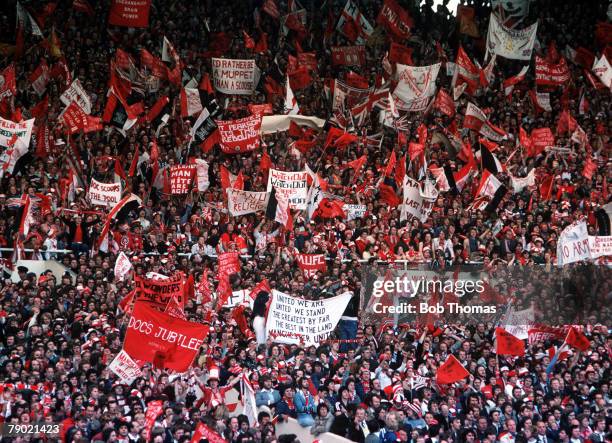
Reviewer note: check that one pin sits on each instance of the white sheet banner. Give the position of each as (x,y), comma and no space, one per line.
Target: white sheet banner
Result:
(600,246)
(105,194)
(519,183)
(202,174)
(517,323)
(510,43)
(415,87)
(573,244)
(295,320)
(290,185)
(235,76)
(245,202)
(9,129)
(77,93)
(416,202)
(602,69)
(354,211)
(124,367)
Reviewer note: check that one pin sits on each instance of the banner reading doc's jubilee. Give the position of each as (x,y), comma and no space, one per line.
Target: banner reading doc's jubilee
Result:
(161,339)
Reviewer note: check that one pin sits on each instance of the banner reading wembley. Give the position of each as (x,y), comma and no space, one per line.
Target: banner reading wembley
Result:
(158,292)
(161,339)
(291,186)
(129,13)
(238,136)
(416,202)
(510,43)
(245,202)
(294,320)
(235,76)
(415,87)
(104,194)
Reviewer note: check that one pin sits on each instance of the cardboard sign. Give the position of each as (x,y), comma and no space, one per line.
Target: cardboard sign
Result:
(158,292)
(238,136)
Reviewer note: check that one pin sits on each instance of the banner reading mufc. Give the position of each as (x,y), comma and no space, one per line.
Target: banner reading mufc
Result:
(310,264)
(291,186)
(415,86)
(238,136)
(158,292)
(161,339)
(181,178)
(245,202)
(295,320)
(510,43)
(235,76)
(130,13)
(105,194)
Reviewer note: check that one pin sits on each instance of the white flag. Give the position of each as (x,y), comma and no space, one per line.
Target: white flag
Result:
(510,43)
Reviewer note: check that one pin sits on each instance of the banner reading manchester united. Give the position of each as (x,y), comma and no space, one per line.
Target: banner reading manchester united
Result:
(296,320)
(235,76)
(238,136)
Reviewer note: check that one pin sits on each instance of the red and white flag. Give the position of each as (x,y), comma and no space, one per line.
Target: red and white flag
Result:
(310,264)
(511,82)
(353,24)
(395,19)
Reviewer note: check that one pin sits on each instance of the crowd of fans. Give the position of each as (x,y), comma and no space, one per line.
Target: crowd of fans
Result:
(376,384)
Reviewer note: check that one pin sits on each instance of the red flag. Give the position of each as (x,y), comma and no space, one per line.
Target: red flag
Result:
(329,208)
(391,164)
(249,43)
(152,335)
(400,170)
(566,123)
(546,187)
(203,432)
(444,102)
(265,164)
(400,54)
(415,150)
(83,6)
(577,340)
(589,168)
(508,344)
(451,371)
(300,78)
(395,19)
(271,8)
(357,81)
(388,195)
(262,43)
